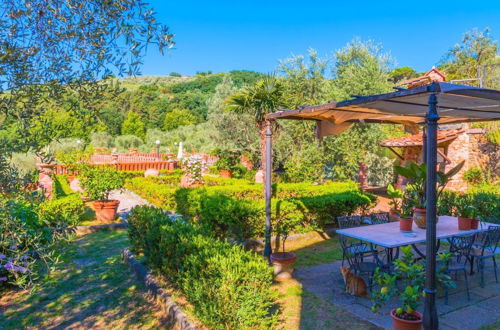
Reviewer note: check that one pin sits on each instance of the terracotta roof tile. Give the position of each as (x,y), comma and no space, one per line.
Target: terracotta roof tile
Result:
(444,135)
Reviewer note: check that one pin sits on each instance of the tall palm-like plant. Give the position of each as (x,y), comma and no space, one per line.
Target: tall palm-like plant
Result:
(265,97)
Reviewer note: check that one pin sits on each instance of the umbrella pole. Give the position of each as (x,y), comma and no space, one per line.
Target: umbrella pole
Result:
(432,117)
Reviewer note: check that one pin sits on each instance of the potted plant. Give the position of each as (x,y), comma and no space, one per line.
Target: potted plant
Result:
(466,212)
(417,177)
(406,282)
(97,183)
(288,218)
(396,196)
(405,214)
(228,160)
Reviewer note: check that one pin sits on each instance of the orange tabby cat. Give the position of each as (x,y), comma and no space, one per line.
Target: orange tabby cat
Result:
(354,284)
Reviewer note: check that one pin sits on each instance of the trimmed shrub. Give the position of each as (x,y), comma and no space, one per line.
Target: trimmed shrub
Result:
(227,286)
(61,186)
(62,212)
(486,203)
(236,209)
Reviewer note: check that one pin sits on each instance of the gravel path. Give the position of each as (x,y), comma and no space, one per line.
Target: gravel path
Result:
(127,200)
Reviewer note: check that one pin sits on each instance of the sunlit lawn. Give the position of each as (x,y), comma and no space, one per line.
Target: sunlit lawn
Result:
(91,288)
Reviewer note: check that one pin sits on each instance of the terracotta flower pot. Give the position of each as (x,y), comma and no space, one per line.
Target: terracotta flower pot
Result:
(226,173)
(419,216)
(402,324)
(464,223)
(393,215)
(474,223)
(405,224)
(105,210)
(283,264)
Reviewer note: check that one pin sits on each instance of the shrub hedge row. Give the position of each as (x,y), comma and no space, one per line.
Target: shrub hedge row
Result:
(235,208)
(487,204)
(228,287)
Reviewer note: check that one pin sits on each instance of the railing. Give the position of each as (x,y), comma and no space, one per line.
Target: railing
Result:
(169,165)
(129,158)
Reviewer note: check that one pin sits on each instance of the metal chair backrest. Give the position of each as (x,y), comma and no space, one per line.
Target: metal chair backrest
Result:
(491,240)
(349,221)
(380,217)
(462,245)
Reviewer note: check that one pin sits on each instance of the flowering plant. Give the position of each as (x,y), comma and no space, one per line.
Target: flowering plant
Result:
(194,168)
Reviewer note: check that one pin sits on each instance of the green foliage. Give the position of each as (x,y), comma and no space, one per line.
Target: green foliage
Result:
(62,212)
(494,136)
(484,203)
(463,61)
(473,175)
(125,142)
(61,186)
(305,165)
(177,118)
(228,159)
(28,243)
(465,207)
(234,208)
(133,125)
(412,274)
(396,196)
(209,272)
(43,59)
(402,73)
(98,181)
(289,216)
(417,175)
(102,140)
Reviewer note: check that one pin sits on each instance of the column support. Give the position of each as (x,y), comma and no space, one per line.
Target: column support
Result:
(430,321)
(268,188)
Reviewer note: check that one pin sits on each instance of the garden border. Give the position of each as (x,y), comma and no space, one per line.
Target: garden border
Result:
(175,317)
(84,230)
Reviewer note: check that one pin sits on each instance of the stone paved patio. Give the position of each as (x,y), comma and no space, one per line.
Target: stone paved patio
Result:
(482,309)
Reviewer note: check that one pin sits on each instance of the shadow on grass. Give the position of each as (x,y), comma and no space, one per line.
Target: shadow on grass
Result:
(90,288)
(305,309)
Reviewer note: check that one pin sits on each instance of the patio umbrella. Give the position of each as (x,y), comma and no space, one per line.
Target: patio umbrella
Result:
(427,105)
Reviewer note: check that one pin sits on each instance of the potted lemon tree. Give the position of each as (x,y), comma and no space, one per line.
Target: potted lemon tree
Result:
(288,218)
(97,183)
(406,282)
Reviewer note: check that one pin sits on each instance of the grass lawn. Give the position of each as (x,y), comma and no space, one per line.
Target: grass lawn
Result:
(316,249)
(305,310)
(90,288)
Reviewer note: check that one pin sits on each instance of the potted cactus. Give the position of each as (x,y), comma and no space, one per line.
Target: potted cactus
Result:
(97,183)
(406,282)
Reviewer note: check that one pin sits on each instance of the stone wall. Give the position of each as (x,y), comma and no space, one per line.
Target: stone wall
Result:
(484,154)
(458,151)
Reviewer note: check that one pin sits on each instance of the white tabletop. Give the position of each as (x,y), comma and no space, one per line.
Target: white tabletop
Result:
(388,234)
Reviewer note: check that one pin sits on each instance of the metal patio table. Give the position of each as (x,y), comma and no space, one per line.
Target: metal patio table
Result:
(389,236)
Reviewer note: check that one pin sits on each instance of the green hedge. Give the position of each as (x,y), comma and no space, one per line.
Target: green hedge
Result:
(228,287)
(62,212)
(236,209)
(487,204)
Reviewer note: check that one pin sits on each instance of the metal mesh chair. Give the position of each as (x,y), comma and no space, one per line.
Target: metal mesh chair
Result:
(380,217)
(351,246)
(358,264)
(486,249)
(460,247)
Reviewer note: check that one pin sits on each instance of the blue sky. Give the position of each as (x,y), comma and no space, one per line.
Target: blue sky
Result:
(254,35)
